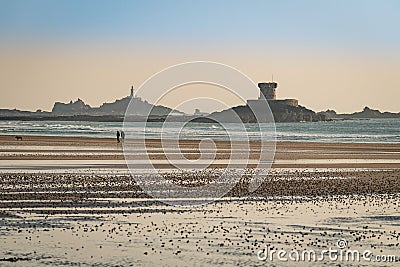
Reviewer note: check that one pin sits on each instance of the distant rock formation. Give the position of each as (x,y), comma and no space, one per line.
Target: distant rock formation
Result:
(116,108)
(283,110)
(72,108)
(280,111)
(289,113)
(16,112)
(366,113)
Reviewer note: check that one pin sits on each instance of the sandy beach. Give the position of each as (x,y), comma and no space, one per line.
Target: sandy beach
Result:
(69,200)
(287,155)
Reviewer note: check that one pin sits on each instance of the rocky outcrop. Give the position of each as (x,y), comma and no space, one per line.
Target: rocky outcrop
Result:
(72,108)
(280,112)
(116,108)
(366,113)
(287,113)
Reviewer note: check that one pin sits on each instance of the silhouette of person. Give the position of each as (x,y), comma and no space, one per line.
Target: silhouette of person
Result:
(122,136)
(118,135)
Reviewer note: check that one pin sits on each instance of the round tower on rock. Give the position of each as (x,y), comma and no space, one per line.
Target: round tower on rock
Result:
(268,90)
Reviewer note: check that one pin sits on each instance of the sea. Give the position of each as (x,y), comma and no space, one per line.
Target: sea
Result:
(353,131)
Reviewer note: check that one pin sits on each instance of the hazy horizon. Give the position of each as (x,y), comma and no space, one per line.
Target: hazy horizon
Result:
(340,55)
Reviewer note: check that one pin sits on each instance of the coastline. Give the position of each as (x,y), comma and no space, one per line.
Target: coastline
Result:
(287,155)
(307,168)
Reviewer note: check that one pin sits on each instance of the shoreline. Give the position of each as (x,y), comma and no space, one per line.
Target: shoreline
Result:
(6,139)
(106,151)
(297,168)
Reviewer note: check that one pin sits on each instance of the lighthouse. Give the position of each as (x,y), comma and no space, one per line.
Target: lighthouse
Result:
(132,93)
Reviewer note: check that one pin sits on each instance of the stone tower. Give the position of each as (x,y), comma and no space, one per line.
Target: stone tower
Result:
(268,90)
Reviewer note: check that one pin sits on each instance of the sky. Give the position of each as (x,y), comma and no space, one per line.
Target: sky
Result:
(340,55)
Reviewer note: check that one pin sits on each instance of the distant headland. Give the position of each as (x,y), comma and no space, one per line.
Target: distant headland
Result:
(283,110)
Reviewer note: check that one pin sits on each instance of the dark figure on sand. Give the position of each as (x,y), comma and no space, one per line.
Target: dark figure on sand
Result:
(118,135)
(122,136)
(18,137)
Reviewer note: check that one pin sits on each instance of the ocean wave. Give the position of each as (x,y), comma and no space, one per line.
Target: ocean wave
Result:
(376,131)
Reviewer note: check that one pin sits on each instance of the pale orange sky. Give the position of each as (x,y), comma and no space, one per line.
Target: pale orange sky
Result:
(340,55)
(33,77)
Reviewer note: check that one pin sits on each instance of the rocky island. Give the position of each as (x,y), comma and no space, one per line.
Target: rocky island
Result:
(283,110)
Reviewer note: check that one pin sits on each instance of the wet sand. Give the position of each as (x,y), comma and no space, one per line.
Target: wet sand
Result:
(93,212)
(287,155)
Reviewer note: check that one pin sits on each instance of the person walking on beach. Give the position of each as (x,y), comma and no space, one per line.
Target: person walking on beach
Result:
(118,135)
(122,136)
